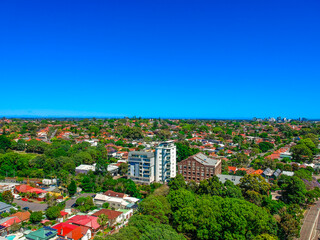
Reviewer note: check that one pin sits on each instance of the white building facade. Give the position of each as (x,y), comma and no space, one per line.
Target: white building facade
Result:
(141,167)
(165,161)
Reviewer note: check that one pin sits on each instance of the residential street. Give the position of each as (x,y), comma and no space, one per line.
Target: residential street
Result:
(31,205)
(308,229)
(72,201)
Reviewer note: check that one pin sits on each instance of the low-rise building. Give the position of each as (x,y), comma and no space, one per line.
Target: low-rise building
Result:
(235,179)
(114,217)
(23,216)
(74,232)
(84,168)
(85,221)
(5,207)
(44,233)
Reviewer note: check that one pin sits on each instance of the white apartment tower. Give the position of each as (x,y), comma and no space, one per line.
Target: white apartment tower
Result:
(165,161)
(141,167)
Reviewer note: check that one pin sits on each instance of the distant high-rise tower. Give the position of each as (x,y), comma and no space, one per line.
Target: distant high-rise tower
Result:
(165,161)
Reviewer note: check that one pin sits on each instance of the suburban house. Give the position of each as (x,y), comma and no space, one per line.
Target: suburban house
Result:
(114,202)
(23,216)
(4,188)
(85,221)
(126,214)
(110,193)
(70,231)
(85,168)
(235,179)
(44,233)
(115,217)
(199,167)
(7,222)
(41,194)
(5,207)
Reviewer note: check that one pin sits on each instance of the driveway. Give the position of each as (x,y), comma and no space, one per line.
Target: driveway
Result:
(72,201)
(31,205)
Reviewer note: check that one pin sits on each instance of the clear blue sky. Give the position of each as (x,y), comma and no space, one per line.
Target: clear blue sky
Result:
(160,58)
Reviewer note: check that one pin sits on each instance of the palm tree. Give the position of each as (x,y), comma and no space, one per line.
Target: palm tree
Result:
(103,220)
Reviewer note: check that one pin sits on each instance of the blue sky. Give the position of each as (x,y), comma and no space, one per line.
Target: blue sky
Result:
(160,58)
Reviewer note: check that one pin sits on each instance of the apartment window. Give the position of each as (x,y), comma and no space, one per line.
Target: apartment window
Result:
(198,174)
(198,168)
(202,169)
(193,168)
(202,174)
(208,169)
(184,166)
(180,166)
(189,163)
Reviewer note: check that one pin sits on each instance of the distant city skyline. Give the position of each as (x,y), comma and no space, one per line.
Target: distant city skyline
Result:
(170,59)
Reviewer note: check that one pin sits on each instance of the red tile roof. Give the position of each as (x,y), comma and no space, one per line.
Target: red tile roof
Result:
(85,220)
(11,221)
(68,230)
(23,216)
(110,213)
(114,194)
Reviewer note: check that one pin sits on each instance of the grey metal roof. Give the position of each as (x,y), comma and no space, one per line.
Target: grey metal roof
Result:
(277,173)
(148,154)
(4,206)
(268,172)
(3,220)
(235,179)
(205,160)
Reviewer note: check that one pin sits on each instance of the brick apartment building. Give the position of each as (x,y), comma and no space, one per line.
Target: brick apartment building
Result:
(199,167)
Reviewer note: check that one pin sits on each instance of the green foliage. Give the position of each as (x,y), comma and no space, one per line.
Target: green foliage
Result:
(36,217)
(85,204)
(105,205)
(303,174)
(157,206)
(4,143)
(72,188)
(53,213)
(294,191)
(265,146)
(184,151)
(146,227)
(213,186)
(211,217)
(7,197)
(304,150)
(177,182)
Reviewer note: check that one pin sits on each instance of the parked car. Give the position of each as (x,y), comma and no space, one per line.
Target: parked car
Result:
(25,199)
(26,208)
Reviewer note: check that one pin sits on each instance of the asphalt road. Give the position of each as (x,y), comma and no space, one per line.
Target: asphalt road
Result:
(31,205)
(72,201)
(308,229)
